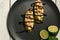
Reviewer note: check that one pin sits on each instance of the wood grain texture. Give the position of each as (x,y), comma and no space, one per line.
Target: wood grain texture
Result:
(12,2)
(53,1)
(4,8)
(58,4)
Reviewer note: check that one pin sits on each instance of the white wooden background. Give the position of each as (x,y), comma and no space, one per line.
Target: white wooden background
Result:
(4,9)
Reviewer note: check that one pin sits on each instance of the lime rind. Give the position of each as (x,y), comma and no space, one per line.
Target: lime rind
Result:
(44,34)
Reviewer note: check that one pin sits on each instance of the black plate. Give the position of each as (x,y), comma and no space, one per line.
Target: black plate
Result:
(19,8)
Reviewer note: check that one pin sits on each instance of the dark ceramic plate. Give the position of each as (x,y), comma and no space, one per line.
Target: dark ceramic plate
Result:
(19,8)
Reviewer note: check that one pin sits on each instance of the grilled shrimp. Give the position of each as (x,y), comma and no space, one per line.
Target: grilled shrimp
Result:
(29,20)
(38,11)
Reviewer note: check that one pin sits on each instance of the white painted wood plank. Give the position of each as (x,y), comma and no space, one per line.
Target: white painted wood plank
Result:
(12,2)
(4,8)
(53,1)
(58,4)
(58,35)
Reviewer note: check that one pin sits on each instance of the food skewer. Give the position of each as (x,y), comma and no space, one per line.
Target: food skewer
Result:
(29,20)
(29,17)
(38,11)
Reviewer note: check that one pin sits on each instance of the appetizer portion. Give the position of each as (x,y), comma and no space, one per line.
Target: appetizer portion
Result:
(53,29)
(44,34)
(29,20)
(38,11)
